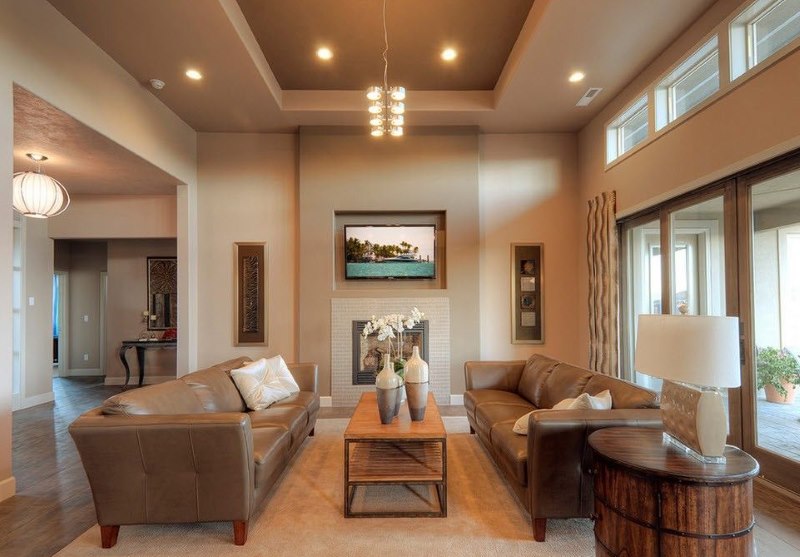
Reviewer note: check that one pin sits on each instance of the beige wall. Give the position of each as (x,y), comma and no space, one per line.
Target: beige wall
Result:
(46,54)
(751,123)
(86,261)
(127,299)
(38,272)
(246,193)
(347,170)
(529,194)
(117,216)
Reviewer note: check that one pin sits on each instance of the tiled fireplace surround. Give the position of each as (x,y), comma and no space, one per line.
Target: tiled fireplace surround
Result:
(346,310)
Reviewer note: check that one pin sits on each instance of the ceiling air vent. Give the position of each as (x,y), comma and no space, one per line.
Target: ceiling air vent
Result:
(589,96)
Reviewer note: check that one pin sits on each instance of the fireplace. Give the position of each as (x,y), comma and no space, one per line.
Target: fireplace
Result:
(368,352)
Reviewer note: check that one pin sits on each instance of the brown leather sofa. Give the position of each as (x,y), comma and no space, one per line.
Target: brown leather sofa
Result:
(188,450)
(550,469)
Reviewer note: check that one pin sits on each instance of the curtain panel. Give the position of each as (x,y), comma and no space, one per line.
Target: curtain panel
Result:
(603,285)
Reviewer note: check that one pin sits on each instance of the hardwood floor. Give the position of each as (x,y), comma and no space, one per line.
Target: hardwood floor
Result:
(53,504)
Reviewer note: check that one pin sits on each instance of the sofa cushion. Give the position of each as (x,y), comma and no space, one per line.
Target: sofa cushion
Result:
(473,399)
(216,390)
(303,399)
(293,419)
(565,381)
(511,450)
(270,453)
(623,393)
(489,414)
(170,398)
(585,401)
(537,370)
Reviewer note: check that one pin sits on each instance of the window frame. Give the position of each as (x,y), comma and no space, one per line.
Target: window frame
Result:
(615,147)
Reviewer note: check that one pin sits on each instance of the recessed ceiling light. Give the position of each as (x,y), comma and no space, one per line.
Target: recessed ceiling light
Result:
(194,74)
(575,77)
(38,157)
(449,54)
(324,53)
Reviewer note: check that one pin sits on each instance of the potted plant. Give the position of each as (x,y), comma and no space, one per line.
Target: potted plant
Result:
(778,373)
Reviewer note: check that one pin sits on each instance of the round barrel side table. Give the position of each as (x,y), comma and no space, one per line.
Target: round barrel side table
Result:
(652,500)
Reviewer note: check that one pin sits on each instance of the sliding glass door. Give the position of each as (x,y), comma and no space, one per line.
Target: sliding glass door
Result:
(732,248)
(771,234)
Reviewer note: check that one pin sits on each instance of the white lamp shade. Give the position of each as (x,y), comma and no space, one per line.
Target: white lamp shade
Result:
(38,195)
(696,349)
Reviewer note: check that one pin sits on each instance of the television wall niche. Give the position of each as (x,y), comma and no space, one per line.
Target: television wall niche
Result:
(355,219)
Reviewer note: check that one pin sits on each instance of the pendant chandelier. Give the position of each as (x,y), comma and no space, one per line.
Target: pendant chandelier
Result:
(386,105)
(37,195)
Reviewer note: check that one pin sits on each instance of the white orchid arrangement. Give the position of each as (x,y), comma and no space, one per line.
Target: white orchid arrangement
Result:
(390,328)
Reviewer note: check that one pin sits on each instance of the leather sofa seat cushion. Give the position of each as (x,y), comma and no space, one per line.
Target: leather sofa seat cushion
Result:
(623,393)
(270,452)
(473,399)
(490,413)
(565,381)
(511,450)
(170,398)
(303,399)
(537,370)
(216,390)
(292,418)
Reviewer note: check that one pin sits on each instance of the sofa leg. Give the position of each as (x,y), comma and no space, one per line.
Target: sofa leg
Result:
(471,431)
(108,536)
(239,532)
(539,528)
(311,433)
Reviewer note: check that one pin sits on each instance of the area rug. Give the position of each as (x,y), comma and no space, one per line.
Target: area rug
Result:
(303,516)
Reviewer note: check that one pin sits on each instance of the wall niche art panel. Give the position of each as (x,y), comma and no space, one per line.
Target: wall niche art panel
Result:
(250,266)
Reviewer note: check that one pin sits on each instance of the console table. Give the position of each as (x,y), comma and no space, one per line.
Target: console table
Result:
(141,346)
(652,500)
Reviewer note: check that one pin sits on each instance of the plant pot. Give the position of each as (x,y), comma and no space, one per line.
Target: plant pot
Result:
(774,396)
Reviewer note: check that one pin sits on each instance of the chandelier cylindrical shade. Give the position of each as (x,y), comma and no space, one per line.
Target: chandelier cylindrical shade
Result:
(38,195)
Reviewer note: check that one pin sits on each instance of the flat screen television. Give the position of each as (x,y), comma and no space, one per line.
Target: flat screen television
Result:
(380,251)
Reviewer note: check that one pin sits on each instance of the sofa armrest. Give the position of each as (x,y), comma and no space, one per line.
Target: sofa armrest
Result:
(162,469)
(500,375)
(560,459)
(306,376)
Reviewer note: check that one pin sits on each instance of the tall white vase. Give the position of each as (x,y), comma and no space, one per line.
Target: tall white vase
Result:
(417,381)
(387,386)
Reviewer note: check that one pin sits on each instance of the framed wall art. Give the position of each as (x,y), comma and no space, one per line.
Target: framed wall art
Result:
(250,267)
(527,309)
(162,293)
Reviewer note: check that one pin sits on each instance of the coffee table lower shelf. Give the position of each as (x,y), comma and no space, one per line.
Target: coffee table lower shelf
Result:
(370,462)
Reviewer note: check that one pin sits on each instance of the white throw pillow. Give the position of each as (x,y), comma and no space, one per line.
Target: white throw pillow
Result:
(602,401)
(259,385)
(285,377)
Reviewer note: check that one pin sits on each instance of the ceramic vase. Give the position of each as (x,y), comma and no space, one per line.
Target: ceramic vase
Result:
(387,386)
(417,380)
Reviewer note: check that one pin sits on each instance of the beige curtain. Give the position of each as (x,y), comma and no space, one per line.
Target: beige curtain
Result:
(603,285)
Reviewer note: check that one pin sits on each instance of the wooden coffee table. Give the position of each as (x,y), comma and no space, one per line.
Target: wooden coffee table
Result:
(402,452)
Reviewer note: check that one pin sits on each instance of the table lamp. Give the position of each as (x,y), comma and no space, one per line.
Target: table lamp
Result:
(696,355)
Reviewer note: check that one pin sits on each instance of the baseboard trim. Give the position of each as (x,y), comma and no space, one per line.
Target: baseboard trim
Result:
(19,403)
(134,381)
(456,400)
(326,401)
(8,488)
(78,372)
(780,490)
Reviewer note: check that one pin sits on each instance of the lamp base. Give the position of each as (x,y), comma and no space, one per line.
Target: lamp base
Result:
(678,444)
(694,419)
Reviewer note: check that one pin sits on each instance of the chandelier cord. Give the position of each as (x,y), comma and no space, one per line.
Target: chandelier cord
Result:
(385,51)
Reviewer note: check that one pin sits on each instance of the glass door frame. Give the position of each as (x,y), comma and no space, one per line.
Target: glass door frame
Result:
(778,469)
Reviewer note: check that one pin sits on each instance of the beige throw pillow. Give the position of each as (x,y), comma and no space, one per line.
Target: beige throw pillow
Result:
(285,378)
(259,385)
(602,401)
